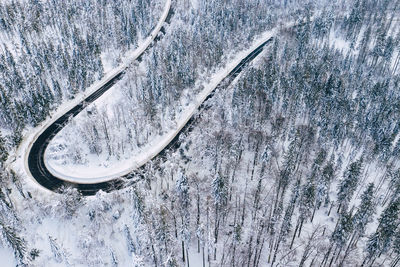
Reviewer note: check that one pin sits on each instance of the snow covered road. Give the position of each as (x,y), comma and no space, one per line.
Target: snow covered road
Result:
(34,145)
(38,169)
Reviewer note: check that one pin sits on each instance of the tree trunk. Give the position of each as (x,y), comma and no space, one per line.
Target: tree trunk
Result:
(259,253)
(301,227)
(294,235)
(176,229)
(154,255)
(330,209)
(326,257)
(198,218)
(395,262)
(271,246)
(249,251)
(244,202)
(276,251)
(233,255)
(346,253)
(183,251)
(338,254)
(313,213)
(364,262)
(208,222)
(187,257)
(204,260)
(340,205)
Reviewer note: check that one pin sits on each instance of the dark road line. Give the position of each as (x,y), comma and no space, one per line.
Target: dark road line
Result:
(35,159)
(36,154)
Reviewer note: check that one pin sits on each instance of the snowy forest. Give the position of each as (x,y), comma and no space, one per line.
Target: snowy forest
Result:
(292,163)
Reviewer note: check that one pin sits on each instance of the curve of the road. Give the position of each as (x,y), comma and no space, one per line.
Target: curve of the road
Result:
(34,161)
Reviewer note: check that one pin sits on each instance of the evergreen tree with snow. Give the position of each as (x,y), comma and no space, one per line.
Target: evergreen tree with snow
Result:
(3,150)
(182,190)
(365,210)
(380,241)
(348,184)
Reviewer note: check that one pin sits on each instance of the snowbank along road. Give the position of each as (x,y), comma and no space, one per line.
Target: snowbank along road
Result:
(34,161)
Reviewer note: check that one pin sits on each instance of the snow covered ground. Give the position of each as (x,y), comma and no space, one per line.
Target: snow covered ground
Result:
(7,257)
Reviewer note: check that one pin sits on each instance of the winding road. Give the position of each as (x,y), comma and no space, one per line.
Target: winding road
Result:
(35,163)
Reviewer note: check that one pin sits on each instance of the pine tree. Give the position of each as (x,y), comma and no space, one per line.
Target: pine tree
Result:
(323,185)
(380,241)
(56,250)
(15,242)
(182,190)
(339,236)
(348,184)
(220,195)
(361,218)
(365,211)
(131,245)
(3,150)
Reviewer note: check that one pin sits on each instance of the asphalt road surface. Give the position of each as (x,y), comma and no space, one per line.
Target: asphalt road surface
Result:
(36,155)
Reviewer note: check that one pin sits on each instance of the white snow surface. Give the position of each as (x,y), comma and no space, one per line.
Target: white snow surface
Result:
(118,168)
(7,258)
